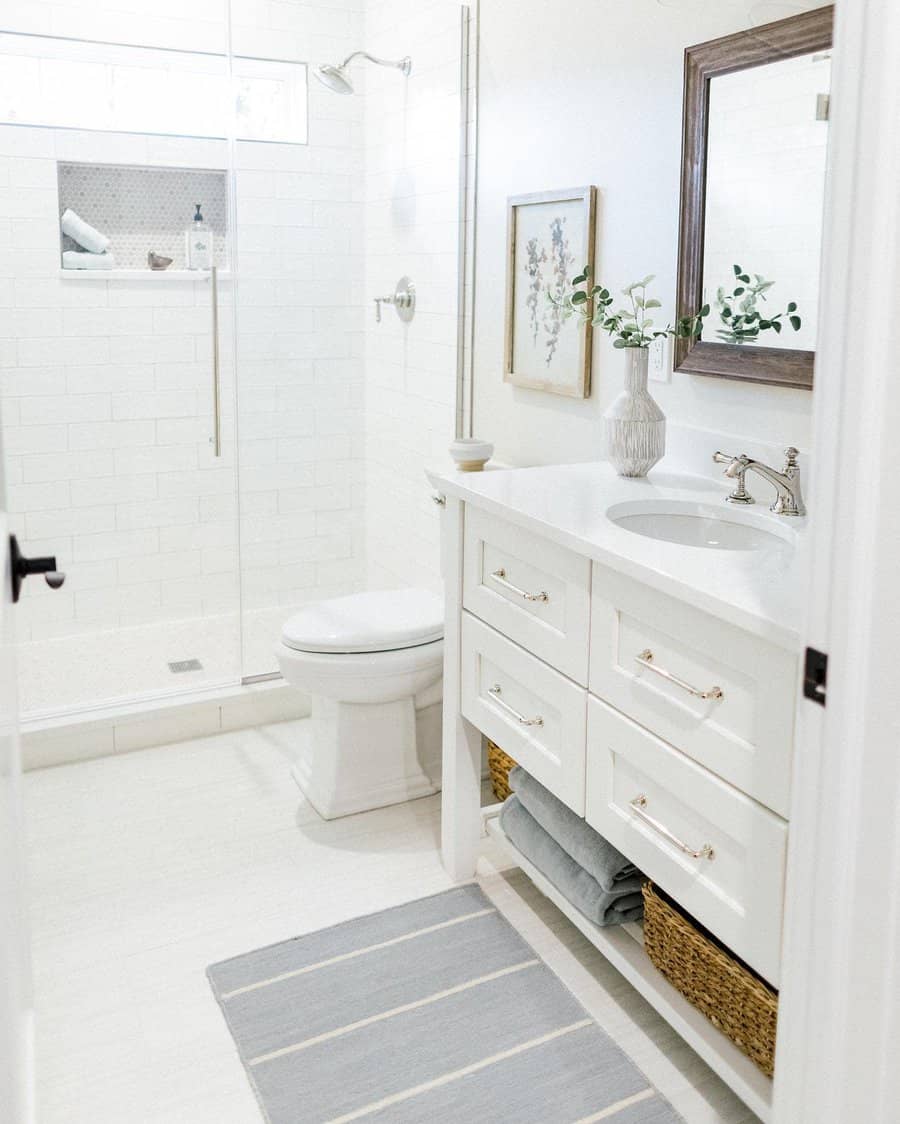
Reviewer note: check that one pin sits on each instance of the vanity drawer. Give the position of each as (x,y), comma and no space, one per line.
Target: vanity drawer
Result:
(653,658)
(535,714)
(736,891)
(532,590)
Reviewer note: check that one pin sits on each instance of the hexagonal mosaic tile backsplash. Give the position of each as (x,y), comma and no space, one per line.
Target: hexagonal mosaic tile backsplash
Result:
(142,209)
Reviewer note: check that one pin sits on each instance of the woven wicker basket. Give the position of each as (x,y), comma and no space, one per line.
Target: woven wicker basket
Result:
(499,765)
(729,994)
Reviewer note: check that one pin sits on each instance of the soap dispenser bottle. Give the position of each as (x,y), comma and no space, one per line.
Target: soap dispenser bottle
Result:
(198,243)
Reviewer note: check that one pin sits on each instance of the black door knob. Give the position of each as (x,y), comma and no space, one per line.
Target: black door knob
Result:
(20,567)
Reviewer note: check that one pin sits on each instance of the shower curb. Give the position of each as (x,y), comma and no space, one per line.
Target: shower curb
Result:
(122,729)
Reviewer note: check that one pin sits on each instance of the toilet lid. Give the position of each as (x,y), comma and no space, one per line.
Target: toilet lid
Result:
(367,622)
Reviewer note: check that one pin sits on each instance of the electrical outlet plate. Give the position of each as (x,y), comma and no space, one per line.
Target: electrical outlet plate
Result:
(659,365)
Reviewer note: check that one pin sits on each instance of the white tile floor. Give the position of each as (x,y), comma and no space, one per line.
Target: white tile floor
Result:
(147,867)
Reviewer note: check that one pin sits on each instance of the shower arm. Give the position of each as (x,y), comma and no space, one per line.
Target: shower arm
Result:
(404,64)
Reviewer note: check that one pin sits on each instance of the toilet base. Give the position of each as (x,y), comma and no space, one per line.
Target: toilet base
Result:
(366,755)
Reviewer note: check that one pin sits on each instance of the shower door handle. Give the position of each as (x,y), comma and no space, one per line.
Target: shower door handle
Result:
(21,567)
(216,388)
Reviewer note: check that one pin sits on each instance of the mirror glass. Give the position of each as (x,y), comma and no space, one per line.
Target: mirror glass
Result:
(765,182)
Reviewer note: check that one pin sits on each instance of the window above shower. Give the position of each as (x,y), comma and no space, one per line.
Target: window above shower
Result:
(73,84)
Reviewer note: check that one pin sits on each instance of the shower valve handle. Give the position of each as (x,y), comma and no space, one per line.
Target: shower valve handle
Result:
(403,299)
(379,301)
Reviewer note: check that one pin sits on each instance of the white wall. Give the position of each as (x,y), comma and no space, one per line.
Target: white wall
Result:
(591,92)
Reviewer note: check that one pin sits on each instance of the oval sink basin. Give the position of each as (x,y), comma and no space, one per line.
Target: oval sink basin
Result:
(699,525)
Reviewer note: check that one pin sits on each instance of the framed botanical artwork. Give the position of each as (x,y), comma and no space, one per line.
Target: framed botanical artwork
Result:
(550,240)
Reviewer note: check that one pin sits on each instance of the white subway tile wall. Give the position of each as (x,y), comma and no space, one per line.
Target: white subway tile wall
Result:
(106,384)
(412,193)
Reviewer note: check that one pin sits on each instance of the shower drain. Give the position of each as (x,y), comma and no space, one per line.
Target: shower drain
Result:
(185,665)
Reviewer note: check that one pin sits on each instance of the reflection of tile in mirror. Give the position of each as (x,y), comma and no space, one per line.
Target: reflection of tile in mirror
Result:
(765,186)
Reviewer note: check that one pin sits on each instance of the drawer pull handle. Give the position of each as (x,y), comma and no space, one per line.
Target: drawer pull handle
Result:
(500,578)
(645,659)
(640,803)
(438,499)
(520,718)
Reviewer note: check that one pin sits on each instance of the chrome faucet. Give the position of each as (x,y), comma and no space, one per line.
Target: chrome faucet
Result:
(788,499)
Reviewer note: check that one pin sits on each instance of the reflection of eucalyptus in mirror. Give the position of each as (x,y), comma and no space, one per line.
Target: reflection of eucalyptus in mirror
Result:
(739,313)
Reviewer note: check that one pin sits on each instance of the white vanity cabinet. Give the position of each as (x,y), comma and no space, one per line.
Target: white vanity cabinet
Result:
(625,677)
(679,751)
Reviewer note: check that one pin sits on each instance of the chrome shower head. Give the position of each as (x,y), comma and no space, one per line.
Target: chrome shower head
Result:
(336,78)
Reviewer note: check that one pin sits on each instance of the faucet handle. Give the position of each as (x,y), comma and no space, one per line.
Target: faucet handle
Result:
(737,467)
(790,458)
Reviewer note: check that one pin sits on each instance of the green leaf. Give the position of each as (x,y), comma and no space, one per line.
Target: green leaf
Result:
(704,311)
(744,277)
(646,281)
(579,298)
(776,325)
(792,306)
(653,304)
(737,270)
(795,323)
(740,289)
(619,343)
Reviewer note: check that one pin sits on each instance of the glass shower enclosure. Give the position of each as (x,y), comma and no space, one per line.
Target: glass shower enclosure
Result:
(204,449)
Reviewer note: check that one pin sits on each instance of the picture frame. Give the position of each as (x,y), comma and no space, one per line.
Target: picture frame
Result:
(550,238)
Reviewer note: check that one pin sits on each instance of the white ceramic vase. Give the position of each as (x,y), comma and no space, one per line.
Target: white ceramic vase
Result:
(635,426)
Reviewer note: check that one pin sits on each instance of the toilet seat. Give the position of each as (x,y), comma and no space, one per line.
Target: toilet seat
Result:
(382,621)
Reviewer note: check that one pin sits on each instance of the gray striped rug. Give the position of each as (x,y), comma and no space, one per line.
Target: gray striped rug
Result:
(433,1011)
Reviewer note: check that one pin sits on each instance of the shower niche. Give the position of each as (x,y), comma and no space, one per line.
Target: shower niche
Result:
(143,210)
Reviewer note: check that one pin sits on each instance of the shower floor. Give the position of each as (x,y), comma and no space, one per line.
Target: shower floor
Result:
(73,673)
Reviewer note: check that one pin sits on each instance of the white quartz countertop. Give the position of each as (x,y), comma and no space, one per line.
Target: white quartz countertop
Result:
(758,590)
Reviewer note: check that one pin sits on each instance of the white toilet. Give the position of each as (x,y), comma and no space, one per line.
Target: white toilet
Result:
(372,663)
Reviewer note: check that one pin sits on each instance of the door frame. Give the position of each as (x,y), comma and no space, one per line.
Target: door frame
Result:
(839,1017)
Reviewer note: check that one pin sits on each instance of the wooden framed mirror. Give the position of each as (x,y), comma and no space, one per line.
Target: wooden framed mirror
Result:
(754,142)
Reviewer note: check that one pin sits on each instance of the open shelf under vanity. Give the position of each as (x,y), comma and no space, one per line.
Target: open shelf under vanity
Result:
(623,947)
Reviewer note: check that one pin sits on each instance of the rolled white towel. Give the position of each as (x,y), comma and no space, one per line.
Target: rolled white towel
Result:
(83,233)
(75,259)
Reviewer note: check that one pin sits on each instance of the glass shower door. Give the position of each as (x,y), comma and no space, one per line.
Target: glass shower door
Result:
(109,374)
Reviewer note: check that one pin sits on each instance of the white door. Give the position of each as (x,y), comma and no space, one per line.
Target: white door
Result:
(16,1004)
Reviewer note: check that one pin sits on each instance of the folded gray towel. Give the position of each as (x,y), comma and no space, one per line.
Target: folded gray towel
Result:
(573,881)
(600,859)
